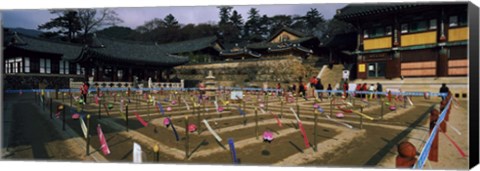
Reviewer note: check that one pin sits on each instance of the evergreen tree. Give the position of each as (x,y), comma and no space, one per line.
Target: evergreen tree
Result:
(67,23)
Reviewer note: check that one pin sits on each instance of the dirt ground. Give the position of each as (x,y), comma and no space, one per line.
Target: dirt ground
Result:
(35,137)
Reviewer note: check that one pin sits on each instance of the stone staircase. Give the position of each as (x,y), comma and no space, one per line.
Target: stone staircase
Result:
(331,76)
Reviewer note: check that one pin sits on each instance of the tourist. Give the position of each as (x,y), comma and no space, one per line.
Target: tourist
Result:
(345,88)
(302,89)
(279,88)
(329,89)
(371,89)
(379,90)
(313,82)
(358,88)
(444,89)
(364,88)
(319,86)
(84,91)
(294,88)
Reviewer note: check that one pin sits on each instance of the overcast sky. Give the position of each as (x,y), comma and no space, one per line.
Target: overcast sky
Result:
(134,17)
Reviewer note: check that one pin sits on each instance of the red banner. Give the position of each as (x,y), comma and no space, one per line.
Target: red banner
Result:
(140,119)
(105,106)
(103,141)
(278,120)
(305,139)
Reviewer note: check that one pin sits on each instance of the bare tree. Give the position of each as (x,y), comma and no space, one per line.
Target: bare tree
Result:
(91,19)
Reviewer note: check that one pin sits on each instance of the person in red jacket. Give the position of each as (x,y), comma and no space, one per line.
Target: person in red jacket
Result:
(345,89)
(358,88)
(364,88)
(84,91)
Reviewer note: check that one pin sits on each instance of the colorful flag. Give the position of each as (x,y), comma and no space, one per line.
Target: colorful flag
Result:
(103,141)
(304,134)
(137,153)
(83,126)
(212,131)
(160,108)
(140,119)
(232,150)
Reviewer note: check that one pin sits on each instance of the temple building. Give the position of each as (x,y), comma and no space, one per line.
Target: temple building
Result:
(29,60)
(409,40)
(283,43)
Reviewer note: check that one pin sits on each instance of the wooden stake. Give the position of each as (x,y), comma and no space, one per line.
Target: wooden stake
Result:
(198,120)
(126,115)
(298,110)
(315,130)
(361,122)
(71,96)
(256,123)
(63,118)
(156,152)
(382,109)
(88,135)
(186,137)
(51,109)
(331,106)
(281,107)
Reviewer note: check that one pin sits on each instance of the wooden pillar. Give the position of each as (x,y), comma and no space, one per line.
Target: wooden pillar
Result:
(130,74)
(442,63)
(168,74)
(159,75)
(86,72)
(95,75)
(100,73)
(115,74)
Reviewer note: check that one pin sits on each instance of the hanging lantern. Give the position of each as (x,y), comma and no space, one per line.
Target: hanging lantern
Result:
(192,128)
(166,122)
(392,108)
(267,136)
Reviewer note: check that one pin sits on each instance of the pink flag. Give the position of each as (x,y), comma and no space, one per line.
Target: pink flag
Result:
(96,99)
(278,120)
(304,134)
(57,114)
(103,141)
(140,119)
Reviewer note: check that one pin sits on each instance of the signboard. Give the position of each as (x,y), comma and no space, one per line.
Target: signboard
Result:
(361,67)
(236,95)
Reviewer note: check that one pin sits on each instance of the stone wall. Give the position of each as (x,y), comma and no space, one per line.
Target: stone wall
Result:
(283,70)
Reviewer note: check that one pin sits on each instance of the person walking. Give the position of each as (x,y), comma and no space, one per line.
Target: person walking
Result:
(345,89)
(358,88)
(319,86)
(84,91)
(313,82)
(364,88)
(444,89)
(329,89)
(371,89)
(279,88)
(379,90)
(302,90)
